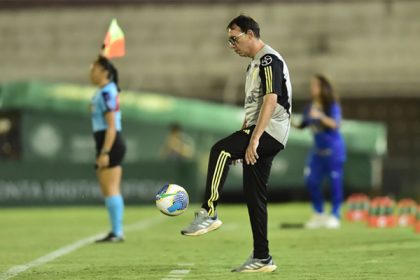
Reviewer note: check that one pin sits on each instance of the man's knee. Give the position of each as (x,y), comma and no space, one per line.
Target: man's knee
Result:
(219,147)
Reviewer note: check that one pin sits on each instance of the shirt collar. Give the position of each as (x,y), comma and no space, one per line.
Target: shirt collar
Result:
(260,53)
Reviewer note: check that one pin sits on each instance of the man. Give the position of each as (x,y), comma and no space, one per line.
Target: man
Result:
(264,133)
(178,145)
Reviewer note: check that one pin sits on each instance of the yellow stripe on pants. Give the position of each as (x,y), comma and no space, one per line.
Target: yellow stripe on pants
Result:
(217,175)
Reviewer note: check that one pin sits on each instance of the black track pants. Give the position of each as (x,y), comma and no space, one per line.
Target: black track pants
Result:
(255,179)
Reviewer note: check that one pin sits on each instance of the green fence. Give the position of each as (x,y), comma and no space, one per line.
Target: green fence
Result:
(64,183)
(57,148)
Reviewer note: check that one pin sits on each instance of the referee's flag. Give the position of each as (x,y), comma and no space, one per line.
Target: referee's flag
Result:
(114,43)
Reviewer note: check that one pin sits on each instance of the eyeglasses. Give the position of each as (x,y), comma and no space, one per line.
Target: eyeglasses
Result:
(233,40)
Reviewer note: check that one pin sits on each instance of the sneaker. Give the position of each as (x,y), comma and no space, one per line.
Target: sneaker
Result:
(317,221)
(332,222)
(257,265)
(111,237)
(202,224)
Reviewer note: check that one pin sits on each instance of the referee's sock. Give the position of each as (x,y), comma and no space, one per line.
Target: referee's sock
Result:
(115,206)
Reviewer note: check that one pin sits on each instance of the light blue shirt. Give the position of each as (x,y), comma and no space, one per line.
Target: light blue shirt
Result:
(105,100)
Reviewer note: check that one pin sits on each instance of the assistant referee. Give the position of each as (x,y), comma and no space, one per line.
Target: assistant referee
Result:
(110,146)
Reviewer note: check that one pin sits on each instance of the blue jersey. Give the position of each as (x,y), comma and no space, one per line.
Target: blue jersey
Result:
(105,100)
(326,139)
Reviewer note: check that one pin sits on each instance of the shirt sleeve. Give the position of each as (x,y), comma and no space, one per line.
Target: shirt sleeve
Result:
(271,74)
(335,113)
(109,102)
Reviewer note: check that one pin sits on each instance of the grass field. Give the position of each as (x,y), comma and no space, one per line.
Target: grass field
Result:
(154,246)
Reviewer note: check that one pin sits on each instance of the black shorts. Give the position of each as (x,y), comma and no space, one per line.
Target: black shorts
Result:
(116,155)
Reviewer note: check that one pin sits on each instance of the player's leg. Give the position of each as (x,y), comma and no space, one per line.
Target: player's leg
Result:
(255,180)
(110,181)
(314,175)
(221,156)
(335,176)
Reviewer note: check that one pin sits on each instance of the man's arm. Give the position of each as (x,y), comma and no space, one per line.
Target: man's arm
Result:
(267,110)
(271,75)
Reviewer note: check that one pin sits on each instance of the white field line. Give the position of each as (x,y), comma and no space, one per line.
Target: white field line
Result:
(15,270)
(178,274)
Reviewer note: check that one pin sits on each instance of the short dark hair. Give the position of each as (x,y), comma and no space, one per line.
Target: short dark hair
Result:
(174,127)
(245,23)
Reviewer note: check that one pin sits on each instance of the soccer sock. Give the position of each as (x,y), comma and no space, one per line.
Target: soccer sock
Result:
(115,206)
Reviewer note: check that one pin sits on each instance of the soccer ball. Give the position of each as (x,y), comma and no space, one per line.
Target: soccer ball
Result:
(172,200)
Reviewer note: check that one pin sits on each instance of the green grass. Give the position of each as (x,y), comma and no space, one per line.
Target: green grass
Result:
(354,252)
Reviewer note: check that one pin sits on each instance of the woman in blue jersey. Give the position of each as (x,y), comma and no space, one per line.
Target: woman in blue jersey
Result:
(110,146)
(327,157)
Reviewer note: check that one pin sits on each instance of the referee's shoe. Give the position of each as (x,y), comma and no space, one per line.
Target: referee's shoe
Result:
(202,224)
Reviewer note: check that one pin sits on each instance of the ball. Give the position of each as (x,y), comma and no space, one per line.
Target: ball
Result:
(172,200)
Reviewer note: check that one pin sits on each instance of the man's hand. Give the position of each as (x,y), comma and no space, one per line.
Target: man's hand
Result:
(251,155)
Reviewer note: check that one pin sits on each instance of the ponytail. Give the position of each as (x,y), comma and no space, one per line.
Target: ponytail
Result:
(108,66)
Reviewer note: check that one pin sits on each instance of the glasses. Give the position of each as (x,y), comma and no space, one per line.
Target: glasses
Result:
(233,40)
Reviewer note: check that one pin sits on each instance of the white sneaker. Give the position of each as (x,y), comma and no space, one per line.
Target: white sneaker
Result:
(202,224)
(332,222)
(317,221)
(257,265)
